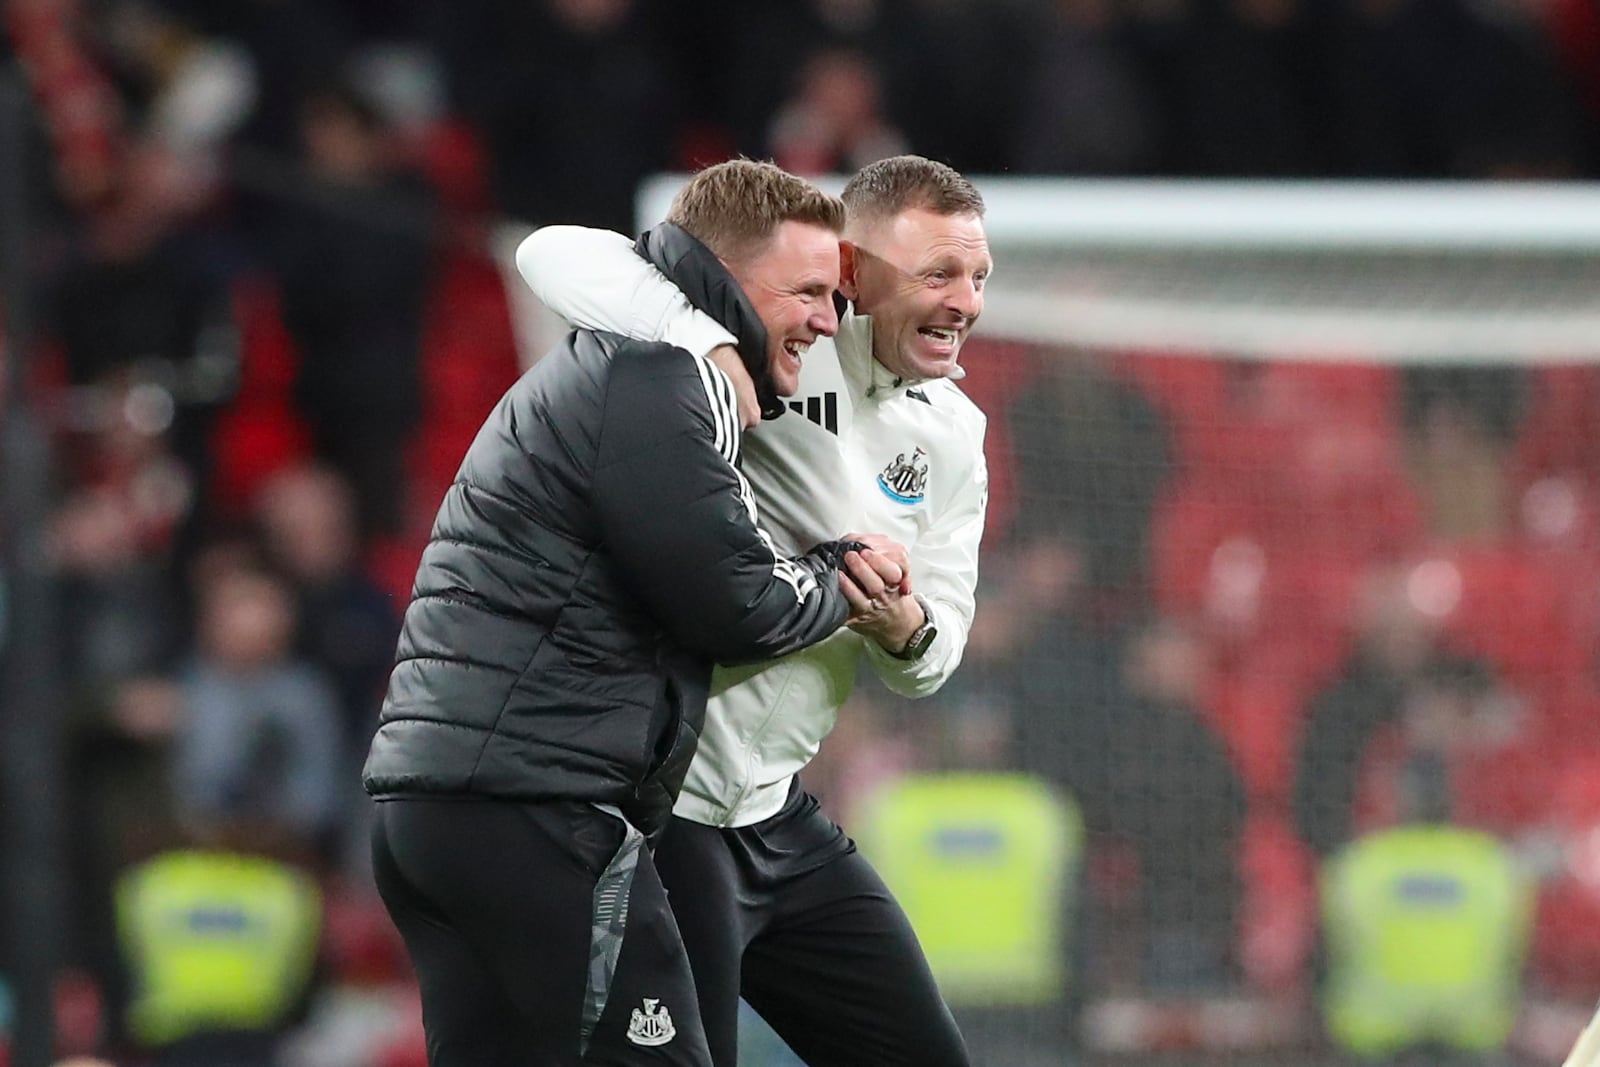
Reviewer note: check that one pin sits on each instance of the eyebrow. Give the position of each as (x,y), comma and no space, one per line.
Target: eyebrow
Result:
(947,262)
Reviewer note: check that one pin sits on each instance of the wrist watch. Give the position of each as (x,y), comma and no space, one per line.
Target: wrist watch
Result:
(922,637)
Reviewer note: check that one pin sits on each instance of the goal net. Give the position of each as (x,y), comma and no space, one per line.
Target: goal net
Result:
(1290,597)
(1292,553)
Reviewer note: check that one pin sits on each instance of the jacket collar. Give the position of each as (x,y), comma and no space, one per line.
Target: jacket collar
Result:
(693,268)
(863,373)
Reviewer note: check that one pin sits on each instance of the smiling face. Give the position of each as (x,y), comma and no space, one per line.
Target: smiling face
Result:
(790,283)
(920,275)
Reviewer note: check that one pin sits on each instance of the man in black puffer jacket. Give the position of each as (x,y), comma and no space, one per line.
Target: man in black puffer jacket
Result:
(597,553)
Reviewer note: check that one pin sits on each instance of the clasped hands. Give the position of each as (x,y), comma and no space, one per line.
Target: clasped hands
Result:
(876,583)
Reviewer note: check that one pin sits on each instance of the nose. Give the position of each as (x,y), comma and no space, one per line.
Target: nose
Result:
(824,319)
(964,297)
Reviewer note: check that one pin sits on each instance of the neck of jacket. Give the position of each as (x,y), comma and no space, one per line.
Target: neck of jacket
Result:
(709,286)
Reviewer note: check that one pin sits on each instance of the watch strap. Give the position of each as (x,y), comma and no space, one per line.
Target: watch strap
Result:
(921,638)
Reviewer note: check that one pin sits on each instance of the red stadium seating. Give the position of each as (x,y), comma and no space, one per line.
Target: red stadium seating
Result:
(260,433)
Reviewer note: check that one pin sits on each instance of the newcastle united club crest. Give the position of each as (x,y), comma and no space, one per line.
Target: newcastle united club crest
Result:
(905,481)
(652,1026)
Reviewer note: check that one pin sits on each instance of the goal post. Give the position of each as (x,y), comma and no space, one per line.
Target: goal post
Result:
(1457,272)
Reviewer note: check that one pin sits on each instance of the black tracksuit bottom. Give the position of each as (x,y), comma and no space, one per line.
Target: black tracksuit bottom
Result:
(787,913)
(540,934)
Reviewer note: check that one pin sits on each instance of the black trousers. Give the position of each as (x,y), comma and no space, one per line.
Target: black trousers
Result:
(788,914)
(540,934)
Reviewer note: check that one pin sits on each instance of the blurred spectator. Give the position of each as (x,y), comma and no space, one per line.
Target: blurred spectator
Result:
(193,93)
(80,109)
(1397,646)
(1039,664)
(1147,770)
(1461,424)
(294,49)
(354,260)
(759,37)
(1426,928)
(1035,640)
(1091,456)
(834,122)
(970,119)
(1086,108)
(1455,713)
(122,809)
(1244,74)
(1433,88)
(113,541)
(140,309)
(114,537)
(259,739)
(1175,795)
(577,107)
(220,940)
(348,625)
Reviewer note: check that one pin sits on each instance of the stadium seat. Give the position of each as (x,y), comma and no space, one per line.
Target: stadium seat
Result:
(360,945)
(452,154)
(1262,600)
(1256,712)
(1512,611)
(469,354)
(1005,372)
(260,432)
(1278,917)
(1566,952)
(393,566)
(469,358)
(1185,388)
(1561,430)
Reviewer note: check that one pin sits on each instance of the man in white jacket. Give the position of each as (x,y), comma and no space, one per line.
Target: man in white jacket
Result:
(772,899)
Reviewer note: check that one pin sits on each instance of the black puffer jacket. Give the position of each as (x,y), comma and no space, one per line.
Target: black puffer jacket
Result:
(595,556)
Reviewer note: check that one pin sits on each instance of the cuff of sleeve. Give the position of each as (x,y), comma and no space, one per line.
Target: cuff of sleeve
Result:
(696,333)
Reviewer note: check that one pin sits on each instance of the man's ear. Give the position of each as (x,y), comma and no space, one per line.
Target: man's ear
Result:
(849,263)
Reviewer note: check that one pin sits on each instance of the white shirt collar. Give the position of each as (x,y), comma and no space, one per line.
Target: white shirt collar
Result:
(864,374)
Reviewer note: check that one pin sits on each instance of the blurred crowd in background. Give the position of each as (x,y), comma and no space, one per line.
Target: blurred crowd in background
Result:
(1231,610)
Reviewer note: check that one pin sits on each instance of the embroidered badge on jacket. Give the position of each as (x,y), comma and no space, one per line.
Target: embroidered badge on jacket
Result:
(905,481)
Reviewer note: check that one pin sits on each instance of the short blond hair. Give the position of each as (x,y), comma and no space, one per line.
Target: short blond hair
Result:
(734,208)
(884,189)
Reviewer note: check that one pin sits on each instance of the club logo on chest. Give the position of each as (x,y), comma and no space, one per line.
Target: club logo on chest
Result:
(905,481)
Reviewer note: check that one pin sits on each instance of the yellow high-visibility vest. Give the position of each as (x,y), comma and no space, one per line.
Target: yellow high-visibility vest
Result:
(215,941)
(985,866)
(1427,929)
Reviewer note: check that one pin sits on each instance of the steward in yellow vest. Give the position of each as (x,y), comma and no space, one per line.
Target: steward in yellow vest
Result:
(984,866)
(219,945)
(1426,929)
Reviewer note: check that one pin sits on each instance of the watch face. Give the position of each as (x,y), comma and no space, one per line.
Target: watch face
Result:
(921,640)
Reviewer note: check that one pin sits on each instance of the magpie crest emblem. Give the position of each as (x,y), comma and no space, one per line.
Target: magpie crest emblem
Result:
(905,481)
(652,1026)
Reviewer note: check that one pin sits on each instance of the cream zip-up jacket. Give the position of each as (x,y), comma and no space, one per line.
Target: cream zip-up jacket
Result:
(859,450)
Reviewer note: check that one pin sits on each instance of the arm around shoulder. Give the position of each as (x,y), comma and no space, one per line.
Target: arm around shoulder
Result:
(595,280)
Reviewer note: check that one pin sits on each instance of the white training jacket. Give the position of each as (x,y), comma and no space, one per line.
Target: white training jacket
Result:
(860,450)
